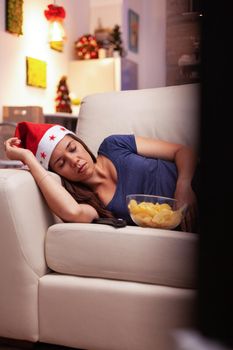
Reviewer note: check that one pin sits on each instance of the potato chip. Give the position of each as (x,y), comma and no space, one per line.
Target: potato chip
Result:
(156,215)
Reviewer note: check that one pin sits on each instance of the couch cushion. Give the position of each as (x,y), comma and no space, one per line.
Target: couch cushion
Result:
(169,113)
(148,255)
(101,314)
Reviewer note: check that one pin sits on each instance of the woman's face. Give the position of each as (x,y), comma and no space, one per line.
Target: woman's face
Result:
(70,160)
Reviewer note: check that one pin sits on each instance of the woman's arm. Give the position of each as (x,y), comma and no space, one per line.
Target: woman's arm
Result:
(58,198)
(186,161)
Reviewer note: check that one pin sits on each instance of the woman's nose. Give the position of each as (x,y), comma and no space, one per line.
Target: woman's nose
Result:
(72,160)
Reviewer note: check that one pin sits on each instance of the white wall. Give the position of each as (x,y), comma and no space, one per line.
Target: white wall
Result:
(34,43)
(150,57)
(153,44)
(109,11)
(79,17)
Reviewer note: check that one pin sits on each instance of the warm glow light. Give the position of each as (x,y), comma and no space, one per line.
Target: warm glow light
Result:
(56,31)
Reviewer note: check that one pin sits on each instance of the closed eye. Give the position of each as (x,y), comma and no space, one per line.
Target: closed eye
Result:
(72,147)
(60,163)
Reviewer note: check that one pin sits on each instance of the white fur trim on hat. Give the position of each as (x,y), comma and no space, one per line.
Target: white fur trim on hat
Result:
(48,142)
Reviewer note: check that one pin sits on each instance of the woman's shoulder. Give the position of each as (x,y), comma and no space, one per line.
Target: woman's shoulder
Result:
(119,139)
(115,142)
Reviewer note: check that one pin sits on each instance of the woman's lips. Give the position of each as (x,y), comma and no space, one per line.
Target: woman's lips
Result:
(81,168)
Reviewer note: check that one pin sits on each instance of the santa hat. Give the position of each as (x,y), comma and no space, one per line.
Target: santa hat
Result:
(41,139)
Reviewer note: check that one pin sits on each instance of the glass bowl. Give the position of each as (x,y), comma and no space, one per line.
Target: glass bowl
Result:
(155,211)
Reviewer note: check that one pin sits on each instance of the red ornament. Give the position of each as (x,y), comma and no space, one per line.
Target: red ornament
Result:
(86,47)
(55,13)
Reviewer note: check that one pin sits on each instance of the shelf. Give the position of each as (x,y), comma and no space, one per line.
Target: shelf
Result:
(86,77)
(69,121)
(61,115)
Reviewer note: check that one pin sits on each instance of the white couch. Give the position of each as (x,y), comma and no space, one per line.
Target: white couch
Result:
(93,286)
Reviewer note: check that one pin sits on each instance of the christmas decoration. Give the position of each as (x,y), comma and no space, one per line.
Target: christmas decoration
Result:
(55,15)
(102,36)
(41,139)
(86,47)
(116,40)
(63,102)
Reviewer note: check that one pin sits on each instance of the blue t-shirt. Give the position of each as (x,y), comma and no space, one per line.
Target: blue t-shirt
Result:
(135,173)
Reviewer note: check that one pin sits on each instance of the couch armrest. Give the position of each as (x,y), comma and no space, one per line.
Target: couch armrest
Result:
(24,218)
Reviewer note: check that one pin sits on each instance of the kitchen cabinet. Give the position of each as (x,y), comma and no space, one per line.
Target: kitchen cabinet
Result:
(87,77)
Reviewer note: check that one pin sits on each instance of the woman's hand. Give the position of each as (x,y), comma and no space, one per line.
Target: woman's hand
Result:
(185,195)
(14,152)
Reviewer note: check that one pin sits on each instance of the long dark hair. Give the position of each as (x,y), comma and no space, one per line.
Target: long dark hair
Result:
(82,193)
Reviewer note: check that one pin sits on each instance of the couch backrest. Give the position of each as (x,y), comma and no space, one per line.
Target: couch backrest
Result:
(168,113)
